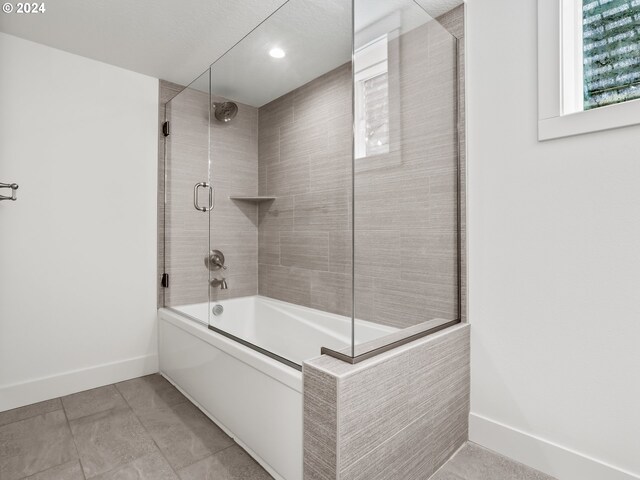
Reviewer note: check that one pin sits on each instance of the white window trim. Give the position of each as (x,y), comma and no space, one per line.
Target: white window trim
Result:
(555,71)
(571,57)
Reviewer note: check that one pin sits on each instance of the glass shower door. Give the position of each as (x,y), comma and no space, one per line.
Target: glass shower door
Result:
(407,207)
(189,199)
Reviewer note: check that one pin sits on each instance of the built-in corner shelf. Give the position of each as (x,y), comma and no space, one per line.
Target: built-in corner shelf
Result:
(255,199)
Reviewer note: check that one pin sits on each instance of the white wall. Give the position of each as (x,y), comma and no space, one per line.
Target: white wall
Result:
(554,267)
(78,247)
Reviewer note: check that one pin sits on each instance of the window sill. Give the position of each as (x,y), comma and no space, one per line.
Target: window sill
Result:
(598,119)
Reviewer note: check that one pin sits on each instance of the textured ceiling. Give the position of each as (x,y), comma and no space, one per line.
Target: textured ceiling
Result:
(177,40)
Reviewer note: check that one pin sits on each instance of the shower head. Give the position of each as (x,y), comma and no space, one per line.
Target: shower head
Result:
(224,111)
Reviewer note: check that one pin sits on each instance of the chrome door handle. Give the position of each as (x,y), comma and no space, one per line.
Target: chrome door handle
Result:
(13,187)
(195,197)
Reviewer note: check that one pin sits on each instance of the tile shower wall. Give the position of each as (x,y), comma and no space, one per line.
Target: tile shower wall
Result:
(305,161)
(234,224)
(234,171)
(406,203)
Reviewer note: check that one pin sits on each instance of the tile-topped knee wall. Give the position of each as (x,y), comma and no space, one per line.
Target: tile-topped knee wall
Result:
(401,414)
(233,226)
(405,202)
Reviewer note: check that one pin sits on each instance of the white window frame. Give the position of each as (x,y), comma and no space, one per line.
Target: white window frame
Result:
(560,110)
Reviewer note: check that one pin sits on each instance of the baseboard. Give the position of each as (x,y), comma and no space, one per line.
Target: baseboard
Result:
(555,460)
(37,390)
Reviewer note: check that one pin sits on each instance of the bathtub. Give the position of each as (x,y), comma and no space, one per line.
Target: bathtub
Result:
(245,375)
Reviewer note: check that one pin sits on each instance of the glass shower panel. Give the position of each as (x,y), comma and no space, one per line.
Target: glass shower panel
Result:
(281,149)
(188,200)
(406,206)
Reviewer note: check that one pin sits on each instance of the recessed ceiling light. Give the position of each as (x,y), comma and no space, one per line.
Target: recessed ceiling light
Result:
(277,52)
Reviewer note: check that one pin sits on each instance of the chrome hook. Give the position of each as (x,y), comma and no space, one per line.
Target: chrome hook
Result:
(13,187)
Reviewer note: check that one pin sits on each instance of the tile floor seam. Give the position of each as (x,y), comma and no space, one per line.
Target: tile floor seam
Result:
(42,415)
(218,454)
(148,433)
(55,466)
(32,416)
(187,401)
(99,411)
(73,438)
(450,457)
(511,460)
(208,456)
(166,407)
(234,444)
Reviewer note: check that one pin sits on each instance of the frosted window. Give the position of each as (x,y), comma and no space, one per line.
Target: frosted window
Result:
(371,82)
(376,114)
(611,51)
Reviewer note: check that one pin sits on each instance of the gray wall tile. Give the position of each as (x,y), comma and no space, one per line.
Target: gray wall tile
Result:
(319,424)
(309,250)
(289,284)
(276,215)
(328,292)
(373,406)
(401,414)
(288,177)
(405,202)
(322,211)
(234,171)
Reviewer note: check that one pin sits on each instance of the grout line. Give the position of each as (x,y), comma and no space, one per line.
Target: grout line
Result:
(55,466)
(73,438)
(96,412)
(442,467)
(147,431)
(110,411)
(213,454)
(32,416)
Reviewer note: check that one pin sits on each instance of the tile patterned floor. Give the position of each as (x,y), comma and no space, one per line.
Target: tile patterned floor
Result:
(473,462)
(146,429)
(139,429)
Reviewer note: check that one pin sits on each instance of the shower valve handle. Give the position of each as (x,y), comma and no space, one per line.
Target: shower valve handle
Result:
(215,261)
